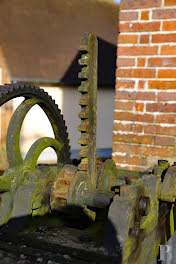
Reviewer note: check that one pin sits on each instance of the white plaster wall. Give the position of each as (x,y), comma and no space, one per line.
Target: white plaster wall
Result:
(105,107)
(36,124)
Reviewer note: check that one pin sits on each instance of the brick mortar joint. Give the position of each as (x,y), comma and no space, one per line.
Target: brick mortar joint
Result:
(143,135)
(147,9)
(131,144)
(153,20)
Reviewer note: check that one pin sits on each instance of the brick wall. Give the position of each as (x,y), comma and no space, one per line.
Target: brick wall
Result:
(145,101)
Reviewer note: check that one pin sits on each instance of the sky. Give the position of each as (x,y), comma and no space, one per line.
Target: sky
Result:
(117,1)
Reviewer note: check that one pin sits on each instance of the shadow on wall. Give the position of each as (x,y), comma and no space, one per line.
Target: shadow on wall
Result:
(105,98)
(106,66)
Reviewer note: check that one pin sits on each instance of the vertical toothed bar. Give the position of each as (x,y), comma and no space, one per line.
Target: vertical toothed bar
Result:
(88,102)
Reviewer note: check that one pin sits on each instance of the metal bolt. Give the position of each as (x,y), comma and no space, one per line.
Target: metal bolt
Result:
(144,206)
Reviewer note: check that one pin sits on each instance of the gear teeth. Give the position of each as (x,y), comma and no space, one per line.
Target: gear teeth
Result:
(84,152)
(84,47)
(3,90)
(84,101)
(83,114)
(64,181)
(84,60)
(84,140)
(88,89)
(83,166)
(60,190)
(85,39)
(83,88)
(84,74)
(84,127)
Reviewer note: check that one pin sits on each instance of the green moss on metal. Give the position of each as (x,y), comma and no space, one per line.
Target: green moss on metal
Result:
(37,148)
(40,202)
(121,173)
(19,170)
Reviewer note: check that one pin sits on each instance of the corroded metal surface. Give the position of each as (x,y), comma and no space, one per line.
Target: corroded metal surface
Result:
(61,187)
(139,219)
(120,216)
(88,102)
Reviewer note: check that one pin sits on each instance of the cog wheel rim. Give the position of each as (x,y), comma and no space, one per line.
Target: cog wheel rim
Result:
(11,91)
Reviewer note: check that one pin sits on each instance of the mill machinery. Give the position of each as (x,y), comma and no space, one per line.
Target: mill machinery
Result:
(114,215)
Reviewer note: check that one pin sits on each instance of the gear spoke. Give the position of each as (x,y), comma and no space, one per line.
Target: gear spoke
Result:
(13,133)
(37,148)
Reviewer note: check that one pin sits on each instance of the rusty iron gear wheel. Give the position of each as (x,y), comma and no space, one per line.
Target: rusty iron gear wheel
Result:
(61,188)
(68,192)
(11,91)
(15,174)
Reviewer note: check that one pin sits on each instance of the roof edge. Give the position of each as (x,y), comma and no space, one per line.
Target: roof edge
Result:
(33,80)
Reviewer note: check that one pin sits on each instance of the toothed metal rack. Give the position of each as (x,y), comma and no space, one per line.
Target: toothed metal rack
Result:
(88,103)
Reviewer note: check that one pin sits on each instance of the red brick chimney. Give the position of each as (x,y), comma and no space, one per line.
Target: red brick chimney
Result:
(145,101)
